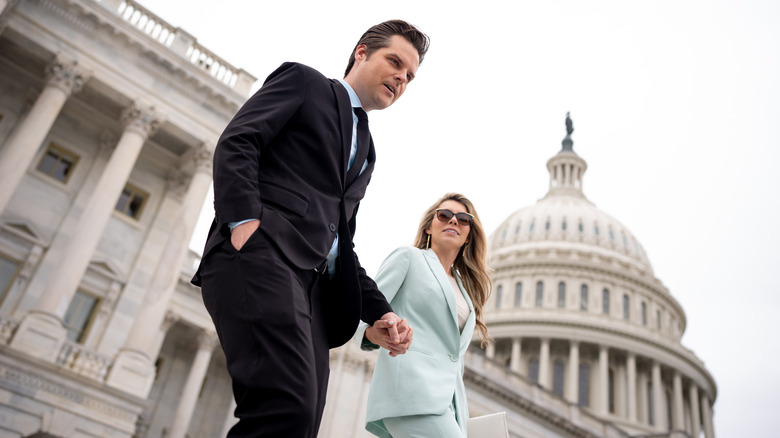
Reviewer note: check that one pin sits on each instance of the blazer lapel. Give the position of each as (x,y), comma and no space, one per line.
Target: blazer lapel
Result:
(446,288)
(471,321)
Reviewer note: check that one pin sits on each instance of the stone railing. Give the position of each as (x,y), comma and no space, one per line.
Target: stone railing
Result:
(7,329)
(183,44)
(83,361)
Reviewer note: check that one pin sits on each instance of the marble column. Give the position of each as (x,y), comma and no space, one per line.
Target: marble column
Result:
(693,394)
(189,397)
(631,381)
(572,394)
(230,419)
(678,416)
(63,78)
(41,331)
(603,381)
(545,376)
(490,350)
(514,359)
(706,413)
(658,396)
(133,369)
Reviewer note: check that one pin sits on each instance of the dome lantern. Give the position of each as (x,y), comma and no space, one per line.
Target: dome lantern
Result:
(566,168)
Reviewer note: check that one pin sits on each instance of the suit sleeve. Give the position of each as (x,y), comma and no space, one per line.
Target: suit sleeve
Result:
(250,133)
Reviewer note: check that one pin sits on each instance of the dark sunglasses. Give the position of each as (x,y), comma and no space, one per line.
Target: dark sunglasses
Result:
(444,215)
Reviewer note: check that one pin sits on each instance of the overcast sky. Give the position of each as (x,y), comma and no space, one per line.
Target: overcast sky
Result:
(675,109)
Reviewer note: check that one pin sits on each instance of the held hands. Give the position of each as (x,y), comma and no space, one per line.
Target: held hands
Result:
(392,333)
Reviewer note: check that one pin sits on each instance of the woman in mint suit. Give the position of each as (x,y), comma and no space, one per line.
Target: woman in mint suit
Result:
(440,286)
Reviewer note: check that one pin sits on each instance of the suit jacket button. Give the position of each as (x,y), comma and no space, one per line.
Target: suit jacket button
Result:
(332,227)
(454,357)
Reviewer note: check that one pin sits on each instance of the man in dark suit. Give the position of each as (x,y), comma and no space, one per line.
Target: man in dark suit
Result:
(278,274)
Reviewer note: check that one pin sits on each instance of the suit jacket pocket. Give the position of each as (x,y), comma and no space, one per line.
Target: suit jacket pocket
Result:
(283,199)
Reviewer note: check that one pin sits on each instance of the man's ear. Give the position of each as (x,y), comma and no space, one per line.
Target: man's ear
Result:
(361,52)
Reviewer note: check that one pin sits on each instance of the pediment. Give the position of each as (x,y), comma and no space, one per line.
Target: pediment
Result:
(107,268)
(24,229)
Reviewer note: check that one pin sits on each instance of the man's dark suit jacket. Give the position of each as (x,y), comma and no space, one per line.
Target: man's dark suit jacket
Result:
(283,159)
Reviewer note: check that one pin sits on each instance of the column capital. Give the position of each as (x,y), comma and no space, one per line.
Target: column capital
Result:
(170,319)
(66,75)
(177,183)
(141,118)
(203,159)
(207,340)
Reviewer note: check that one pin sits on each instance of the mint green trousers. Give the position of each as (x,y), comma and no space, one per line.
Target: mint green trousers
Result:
(425,426)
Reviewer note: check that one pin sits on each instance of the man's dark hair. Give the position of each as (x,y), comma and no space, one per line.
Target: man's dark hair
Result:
(379,36)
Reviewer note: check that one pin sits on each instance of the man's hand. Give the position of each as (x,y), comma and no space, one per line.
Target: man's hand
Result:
(241,233)
(392,333)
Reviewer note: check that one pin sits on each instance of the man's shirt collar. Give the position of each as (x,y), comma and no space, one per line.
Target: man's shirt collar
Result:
(354,100)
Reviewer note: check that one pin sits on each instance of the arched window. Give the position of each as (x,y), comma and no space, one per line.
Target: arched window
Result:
(605,301)
(539,294)
(547,225)
(531,228)
(644,313)
(583,392)
(561,295)
(626,307)
(658,320)
(533,370)
(558,377)
(584,297)
(499,293)
(518,294)
(596,229)
(563,225)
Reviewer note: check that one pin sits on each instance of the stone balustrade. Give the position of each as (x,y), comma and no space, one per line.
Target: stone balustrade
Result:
(183,44)
(7,328)
(83,361)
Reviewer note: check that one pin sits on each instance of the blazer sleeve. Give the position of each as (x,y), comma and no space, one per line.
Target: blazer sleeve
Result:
(389,279)
(251,131)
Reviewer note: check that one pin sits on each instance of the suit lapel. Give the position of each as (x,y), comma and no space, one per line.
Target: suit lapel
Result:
(345,121)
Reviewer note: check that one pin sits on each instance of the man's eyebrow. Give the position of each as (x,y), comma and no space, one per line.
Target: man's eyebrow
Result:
(398,58)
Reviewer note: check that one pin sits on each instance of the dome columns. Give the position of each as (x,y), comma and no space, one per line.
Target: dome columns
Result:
(638,391)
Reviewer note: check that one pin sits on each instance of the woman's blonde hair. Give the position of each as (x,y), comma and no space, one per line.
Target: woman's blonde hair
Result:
(471,262)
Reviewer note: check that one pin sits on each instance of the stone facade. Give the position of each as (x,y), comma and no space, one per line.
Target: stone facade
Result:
(108,120)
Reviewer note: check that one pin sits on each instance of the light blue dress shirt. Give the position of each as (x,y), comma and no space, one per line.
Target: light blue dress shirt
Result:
(334,250)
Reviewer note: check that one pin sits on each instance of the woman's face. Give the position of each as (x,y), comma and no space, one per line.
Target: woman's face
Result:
(450,234)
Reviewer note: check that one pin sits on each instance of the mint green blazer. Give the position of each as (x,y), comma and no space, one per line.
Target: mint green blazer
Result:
(429,376)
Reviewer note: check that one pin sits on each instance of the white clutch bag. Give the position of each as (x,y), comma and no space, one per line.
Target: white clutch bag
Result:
(488,426)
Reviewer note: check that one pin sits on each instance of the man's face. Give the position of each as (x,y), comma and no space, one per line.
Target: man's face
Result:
(380,79)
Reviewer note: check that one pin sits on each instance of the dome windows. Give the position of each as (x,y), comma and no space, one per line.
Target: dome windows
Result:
(518,294)
(584,297)
(499,293)
(561,295)
(626,307)
(605,301)
(539,294)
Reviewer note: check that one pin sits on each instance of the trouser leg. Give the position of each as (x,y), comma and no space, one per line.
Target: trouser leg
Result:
(261,309)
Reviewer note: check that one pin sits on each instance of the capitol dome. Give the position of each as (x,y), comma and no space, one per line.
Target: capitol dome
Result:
(577,309)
